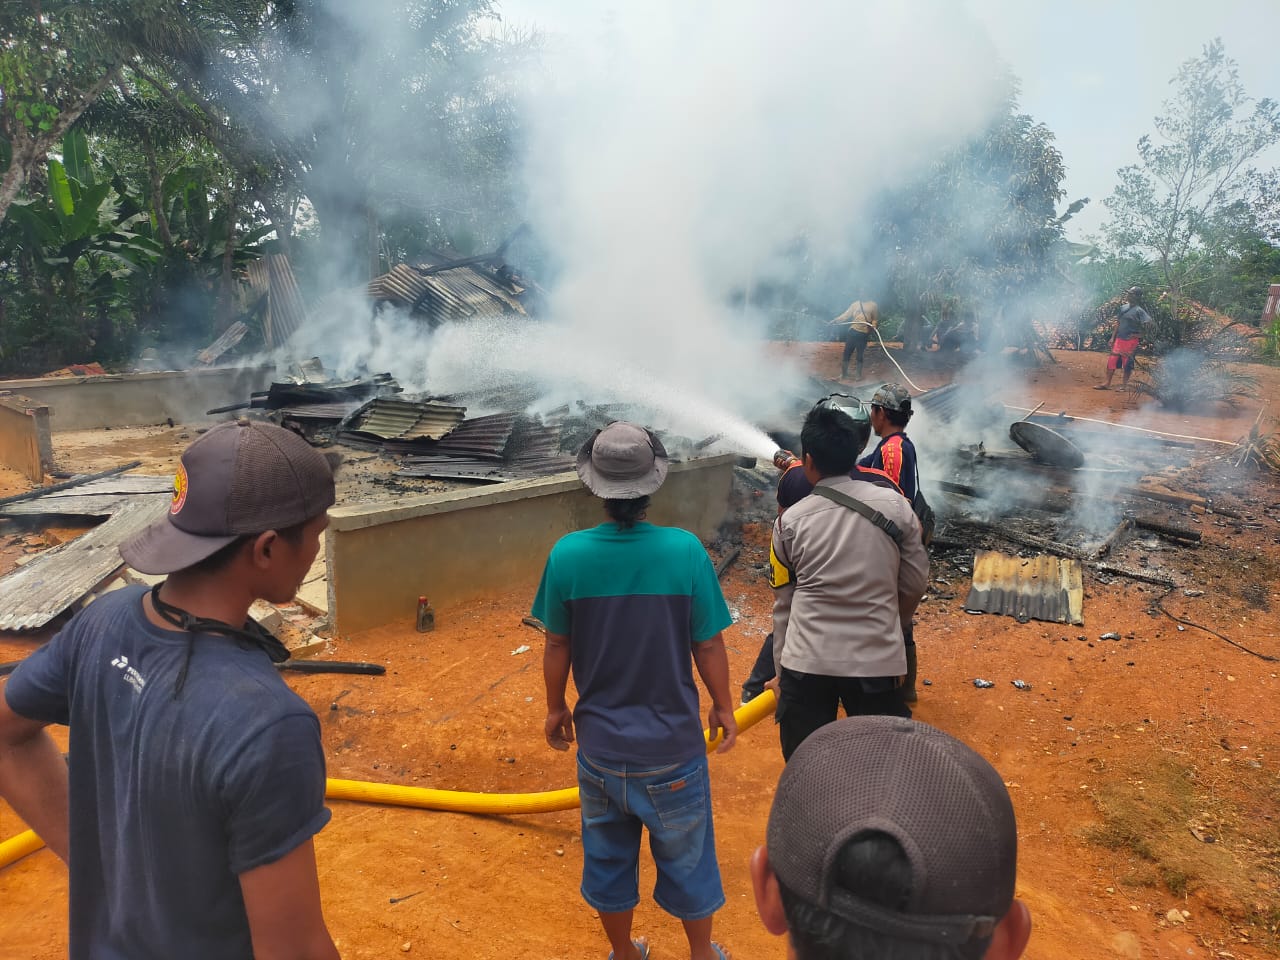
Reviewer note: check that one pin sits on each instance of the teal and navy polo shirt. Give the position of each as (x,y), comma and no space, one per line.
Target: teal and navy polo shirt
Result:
(633,602)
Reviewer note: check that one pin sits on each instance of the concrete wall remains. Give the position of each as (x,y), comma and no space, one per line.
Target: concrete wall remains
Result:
(25,445)
(455,547)
(140,399)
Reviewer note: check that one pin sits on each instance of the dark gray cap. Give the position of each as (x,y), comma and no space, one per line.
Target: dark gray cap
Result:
(892,396)
(241,477)
(944,804)
(623,461)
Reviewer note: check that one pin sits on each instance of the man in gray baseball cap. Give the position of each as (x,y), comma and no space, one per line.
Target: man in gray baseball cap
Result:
(888,837)
(195,779)
(630,608)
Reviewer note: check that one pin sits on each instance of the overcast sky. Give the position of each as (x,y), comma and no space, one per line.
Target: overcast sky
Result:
(1094,71)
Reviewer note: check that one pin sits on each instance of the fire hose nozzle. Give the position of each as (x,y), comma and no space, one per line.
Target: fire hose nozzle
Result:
(783,459)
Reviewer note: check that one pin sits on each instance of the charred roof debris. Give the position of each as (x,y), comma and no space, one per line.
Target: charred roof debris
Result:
(1065,493)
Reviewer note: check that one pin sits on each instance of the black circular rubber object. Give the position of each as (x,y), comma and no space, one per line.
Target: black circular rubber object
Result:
(1047,446)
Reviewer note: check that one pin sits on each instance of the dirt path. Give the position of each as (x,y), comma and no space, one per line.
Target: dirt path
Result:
(1144,770)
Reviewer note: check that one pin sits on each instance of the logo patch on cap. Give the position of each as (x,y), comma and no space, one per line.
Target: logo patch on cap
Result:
(180,485)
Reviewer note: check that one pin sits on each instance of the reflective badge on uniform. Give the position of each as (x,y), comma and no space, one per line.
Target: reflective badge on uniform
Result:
(779,573)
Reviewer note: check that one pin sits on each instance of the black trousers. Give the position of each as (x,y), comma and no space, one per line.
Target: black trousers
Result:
(762,670)
(811,700)
(854,342)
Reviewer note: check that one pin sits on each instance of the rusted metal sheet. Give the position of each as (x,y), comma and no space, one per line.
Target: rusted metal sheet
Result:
(459,293)
(319,411)
(1027,588)
(395,419)
(285,311)
(34,594)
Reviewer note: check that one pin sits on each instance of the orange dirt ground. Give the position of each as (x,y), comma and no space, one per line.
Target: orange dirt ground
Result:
(1124,759)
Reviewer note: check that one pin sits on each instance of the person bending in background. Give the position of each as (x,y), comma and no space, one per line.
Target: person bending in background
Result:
(848,567)
(196,778)
(1131,321)
(889,838)
(794,486)
(628,607)
(863,318)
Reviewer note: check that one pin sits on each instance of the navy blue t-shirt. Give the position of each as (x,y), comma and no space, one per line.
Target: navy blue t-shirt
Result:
(171,798)
(896,456)
(633,602)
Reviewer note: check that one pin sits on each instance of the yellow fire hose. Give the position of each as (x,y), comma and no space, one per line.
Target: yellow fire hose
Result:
(456,801)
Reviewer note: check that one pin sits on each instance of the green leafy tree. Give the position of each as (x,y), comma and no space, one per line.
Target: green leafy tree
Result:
(53,65)
(68,252)
(397,112)
(1180,203)
(980,229)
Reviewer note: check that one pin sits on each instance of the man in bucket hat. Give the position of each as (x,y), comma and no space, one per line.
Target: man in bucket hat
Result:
(888,837)
(195,779)
(630,608)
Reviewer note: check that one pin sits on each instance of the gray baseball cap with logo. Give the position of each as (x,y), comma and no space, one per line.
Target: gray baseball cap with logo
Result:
(242,477)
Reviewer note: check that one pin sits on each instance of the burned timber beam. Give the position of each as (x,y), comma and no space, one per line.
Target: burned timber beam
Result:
(1105,546)
(1165,530)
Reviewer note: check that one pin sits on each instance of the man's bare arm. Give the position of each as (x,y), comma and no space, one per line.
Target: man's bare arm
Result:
(282,901)
(33,778)
(556,662)
(713,667)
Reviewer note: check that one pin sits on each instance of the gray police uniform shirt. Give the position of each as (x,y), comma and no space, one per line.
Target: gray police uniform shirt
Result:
(839,581)
(171,798)
(1132,320)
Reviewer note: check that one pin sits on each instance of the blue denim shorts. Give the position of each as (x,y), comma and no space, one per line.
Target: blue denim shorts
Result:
(674,803)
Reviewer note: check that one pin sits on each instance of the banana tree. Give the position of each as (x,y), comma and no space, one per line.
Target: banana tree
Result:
(76,245)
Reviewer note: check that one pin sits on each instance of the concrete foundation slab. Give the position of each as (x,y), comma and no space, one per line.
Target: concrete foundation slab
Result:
(455,547)
(140,399)
(25,445)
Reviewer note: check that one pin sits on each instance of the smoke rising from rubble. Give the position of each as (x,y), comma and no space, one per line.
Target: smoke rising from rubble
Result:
(675,151)
(675,156)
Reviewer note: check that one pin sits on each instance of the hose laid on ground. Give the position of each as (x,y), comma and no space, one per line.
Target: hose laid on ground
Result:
(15,848)
(456,801)
(426,798)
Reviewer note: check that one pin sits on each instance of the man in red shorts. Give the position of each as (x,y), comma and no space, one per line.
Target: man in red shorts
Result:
(1133,320)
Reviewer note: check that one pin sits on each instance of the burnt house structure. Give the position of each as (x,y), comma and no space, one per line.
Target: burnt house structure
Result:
(441,290)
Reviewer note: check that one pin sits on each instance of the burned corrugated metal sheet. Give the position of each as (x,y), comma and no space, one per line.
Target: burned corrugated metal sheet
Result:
(319,411)
(458,293)
(533,441)
(947,403)
(481,438)
(397,419)
(272,275)
(1028,588)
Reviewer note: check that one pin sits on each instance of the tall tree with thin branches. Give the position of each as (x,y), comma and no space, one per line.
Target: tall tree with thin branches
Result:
(1194,173)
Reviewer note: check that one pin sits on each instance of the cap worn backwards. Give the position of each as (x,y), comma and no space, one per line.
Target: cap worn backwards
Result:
(241,477)
(892,396)
(943,803)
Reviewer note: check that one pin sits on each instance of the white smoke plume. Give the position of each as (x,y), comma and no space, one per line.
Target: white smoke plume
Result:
(676,150)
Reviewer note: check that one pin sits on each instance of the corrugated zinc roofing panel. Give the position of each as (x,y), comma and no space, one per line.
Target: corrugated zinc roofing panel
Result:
(1027,588)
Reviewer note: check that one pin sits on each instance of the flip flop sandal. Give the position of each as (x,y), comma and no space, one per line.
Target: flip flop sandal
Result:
(642,945)
(1101,386)
(721,952)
